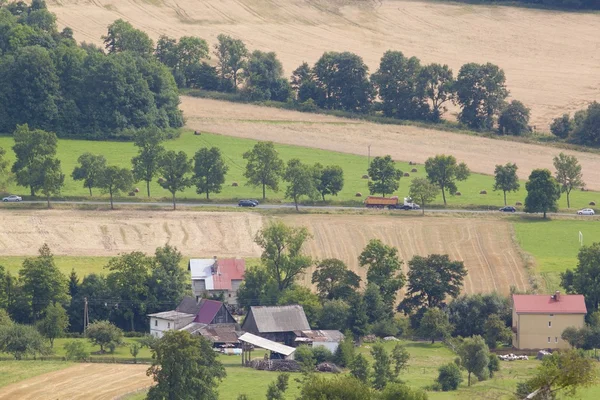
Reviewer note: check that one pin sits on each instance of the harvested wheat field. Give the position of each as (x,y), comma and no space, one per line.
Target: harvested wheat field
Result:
(404,143)
(81,382)
(551,58)
(484,244)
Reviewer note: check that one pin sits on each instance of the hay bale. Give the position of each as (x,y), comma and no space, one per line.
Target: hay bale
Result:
(131,193)
(137,190)
(483,192)
(197,133)
(592,203)
(413,170)
(365,176)
(358,194)
(458,194)
(518,203)
(161,180)
(412,163)
(406,174)
(234,184)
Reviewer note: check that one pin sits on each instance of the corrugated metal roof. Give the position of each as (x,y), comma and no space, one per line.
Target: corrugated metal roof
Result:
(280,318)
(546,304)
(216,333)
(227,269)
(267,344)
(323,335)
(208,311)
(171,315)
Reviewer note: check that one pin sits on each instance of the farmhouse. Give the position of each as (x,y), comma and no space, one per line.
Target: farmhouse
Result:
(539,320)
(168,320)
(281,324)
(217,277)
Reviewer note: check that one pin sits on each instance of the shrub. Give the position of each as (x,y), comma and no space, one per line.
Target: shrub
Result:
(304,355)
(344,354)
(386,327)
(75,350)
(561,127)
(494,364)
(321,354)
(449,377)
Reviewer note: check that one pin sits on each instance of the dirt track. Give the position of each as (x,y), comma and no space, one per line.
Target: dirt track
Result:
(551,58)
(484,244)
(81,382)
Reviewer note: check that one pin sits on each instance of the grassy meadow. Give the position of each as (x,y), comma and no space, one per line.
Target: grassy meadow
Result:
(121,153)
(12,371)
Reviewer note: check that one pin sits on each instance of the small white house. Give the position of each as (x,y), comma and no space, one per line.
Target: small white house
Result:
(168,320)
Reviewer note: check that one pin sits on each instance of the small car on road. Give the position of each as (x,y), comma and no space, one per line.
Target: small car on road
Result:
(246,203)
(12,197)
(586,211)
(508,209)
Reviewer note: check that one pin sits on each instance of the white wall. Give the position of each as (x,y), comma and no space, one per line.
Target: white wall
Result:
(158,326)
(332,346)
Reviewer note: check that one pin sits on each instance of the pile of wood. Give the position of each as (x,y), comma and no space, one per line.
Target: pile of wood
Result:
(275,365)
(512,357)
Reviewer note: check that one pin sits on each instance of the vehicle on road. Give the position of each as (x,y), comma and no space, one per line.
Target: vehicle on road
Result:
(246,203)
(586,211)
(12,198)
(508,209)
(254,201)
(392,203)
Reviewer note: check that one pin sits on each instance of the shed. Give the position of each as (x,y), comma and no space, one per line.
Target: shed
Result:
(278,350)
(276,323)
(329,339)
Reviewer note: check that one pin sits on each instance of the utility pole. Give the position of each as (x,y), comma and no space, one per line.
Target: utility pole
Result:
(369,158)
(86,316)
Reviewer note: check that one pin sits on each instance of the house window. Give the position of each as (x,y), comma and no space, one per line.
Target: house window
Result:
(155,322)
(548,339)
(555,339)
(169,326)
(549,324)
(229,294)
(552,315)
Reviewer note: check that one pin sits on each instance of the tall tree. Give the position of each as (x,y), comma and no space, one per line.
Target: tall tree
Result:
(54,324)
(474,356)
(330,180)
(264,167)
(174,168)
(431,280)
(506,178)
(4,172)
(423,191)
(282,252)
(115,180)
(480,91)
(400,357)
(496,331)
(90,169)
(168,282)
(264,78)
(543,192)
(51,177)
(444,171)
(568,174)
(434,325)
(145,164)
(31,148)
(231,58)
(184,367)
(301,181)
(384,176)
(438,81)
(587,125)
(42,282)
(384,269)
(562,126)
(514,119)
(585,278)
(334,280)
(382,367)
(122,36)
(209,171)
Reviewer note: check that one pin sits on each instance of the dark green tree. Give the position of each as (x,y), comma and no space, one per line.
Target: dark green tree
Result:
(514,119)
(168,282)
(474,356)
(174,169)
(480,91)
(562,126)
(568,174)
(150,150)
(359,320)
(93,287)
(360,368)
(209,171)
(435,325)
(506,178)
(264,167)
(449,377)
(496,331)
(468,313)
(115,180)
(184,367)
(330,179)
(422,191)
(384,177)
(334,315)
(231,58)
(444,171)
(54,323)
(587,126)
(264,78)
(400,358)
(90,170)
(51,177)
(543,192)
(122,36)
(378,311)
(334,280)
(258,289)
(382,367)
(585,278)
(431,280)
(438,81)
(5,174)
(301,181)
(103,334)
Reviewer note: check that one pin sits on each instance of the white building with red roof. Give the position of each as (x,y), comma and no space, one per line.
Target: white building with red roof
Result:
(213,277)
(539,320)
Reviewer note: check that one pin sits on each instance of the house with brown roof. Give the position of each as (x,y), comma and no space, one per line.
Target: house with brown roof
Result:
(538,321)
(216,277)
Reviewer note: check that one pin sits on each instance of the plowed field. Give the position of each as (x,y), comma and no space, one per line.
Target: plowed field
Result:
(551,58)
(484,244)
(81,382)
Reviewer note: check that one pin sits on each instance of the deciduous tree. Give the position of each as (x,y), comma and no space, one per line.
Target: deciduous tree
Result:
(585,278)
(122,36)
(334,280)
(506,178)
(562,126)
(51,177)
(54,323)
(360,368)
(435,325)
(330,180)
(264,167)
(301,181)
(90,170)
(384,177)
(400,358)
(543,192)
(587,126)
(449,377)
(423,191)
(444,171)
(496,331)
(382,367)
(438,81)
(568,174)
(4,172)
(21,341)
(514,119)
(168,282)
(209,171)
(150,150)
(115,180)
(231,58)
(103,333)
(264,78)
(174,169)
(306,298)
(474,356)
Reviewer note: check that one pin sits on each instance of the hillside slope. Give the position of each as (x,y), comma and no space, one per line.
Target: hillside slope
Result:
(552,59)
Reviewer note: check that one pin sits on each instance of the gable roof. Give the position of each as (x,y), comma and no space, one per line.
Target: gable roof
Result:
(323,335)
(188,305)
(547,304)
(208,310)
(216,333)
(267,344)
(180,319)
(277,318)
(217,273)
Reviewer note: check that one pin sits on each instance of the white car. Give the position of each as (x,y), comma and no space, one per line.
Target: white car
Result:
(586,211)
(12,197)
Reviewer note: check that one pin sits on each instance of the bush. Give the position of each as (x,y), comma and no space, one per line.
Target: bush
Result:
(386,327)
(449,377)
(494,364)
(75,350)
(321,354)
(561,127)
(304,355)
(344,354)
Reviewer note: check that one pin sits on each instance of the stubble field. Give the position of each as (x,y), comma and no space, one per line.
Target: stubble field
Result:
(485,245)
(550,58)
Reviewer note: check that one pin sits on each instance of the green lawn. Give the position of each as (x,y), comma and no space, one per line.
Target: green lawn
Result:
(233,148)
(82,265)
(16,371)
(554,244)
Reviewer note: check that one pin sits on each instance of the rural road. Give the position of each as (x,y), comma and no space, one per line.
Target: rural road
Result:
(268,206)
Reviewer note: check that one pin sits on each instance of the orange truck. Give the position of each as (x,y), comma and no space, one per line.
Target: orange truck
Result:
(390,202)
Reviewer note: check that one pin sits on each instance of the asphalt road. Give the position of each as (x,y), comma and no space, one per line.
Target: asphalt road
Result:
(271,207)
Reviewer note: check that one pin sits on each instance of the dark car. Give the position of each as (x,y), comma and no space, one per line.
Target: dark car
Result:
(254,201)
(246,203)
(508,209)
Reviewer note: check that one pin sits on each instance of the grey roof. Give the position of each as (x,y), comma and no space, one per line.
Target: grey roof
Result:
(323,335)
(280,318)
(180,319)
(189,306)
(267,344)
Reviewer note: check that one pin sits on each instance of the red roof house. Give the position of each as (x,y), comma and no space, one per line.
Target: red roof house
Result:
(215,277)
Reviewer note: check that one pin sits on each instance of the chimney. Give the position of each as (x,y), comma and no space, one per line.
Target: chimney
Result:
(557,295)
(215,265)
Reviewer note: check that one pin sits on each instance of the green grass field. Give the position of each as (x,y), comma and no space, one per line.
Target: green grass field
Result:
(354,166)
(554,244)
(16,371)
